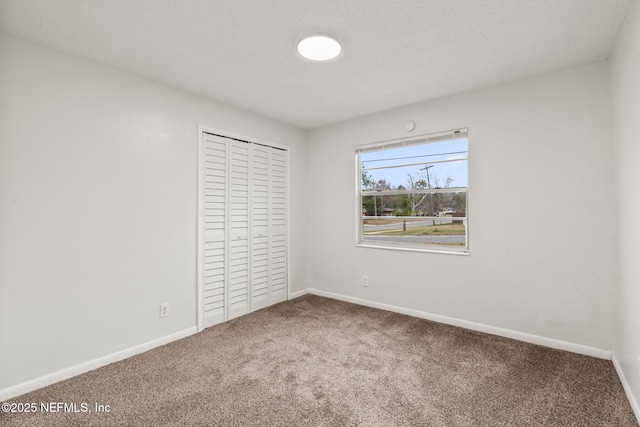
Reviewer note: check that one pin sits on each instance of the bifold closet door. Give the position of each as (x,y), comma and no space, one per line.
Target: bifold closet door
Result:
(278,226)
(239,185)
(214,220)
(268,226)
(244,227)
(260,201)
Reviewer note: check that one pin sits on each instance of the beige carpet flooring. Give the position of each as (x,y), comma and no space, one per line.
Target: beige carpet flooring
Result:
(314,361)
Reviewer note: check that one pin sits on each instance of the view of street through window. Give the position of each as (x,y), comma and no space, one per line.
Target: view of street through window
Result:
(415,194)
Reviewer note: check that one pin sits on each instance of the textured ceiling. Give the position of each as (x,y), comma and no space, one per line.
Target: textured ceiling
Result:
(242,52)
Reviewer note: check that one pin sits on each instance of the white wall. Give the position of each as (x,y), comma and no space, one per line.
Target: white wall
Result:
(539,210)
(625,72)
(98,186)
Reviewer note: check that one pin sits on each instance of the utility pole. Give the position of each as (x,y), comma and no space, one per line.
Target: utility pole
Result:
(375,203)
(426,169)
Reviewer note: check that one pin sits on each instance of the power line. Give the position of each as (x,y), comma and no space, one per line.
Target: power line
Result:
(414,157)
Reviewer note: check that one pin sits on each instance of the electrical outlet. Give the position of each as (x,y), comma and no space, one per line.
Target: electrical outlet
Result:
(164,309)
(365,281)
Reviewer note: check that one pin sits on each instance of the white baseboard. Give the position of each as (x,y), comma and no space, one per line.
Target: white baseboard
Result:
(298,294)
(90,365)
(508,333)
(627,388)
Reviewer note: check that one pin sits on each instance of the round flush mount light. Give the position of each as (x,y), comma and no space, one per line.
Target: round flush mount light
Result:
(319,47)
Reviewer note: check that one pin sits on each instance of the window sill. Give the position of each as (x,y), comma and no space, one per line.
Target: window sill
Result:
(429,249)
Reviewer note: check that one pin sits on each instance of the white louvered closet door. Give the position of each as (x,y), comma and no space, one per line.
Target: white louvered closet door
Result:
(243,220)
(214,219)
(260,200)
(239,196)
(278,225)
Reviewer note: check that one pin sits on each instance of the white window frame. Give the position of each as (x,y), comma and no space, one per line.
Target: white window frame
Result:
(413,140)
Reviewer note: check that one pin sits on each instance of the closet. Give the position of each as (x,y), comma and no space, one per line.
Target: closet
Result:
(242,227)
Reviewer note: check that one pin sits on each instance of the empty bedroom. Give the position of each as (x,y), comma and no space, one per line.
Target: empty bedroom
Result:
(319,213)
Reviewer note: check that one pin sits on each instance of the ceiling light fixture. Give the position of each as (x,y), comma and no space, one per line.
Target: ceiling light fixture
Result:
(319,47)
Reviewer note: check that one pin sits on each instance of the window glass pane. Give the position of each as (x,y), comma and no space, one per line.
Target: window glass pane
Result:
(404,167)
(446,228)
(435,215)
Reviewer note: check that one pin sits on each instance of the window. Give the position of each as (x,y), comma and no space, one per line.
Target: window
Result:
(412,193)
